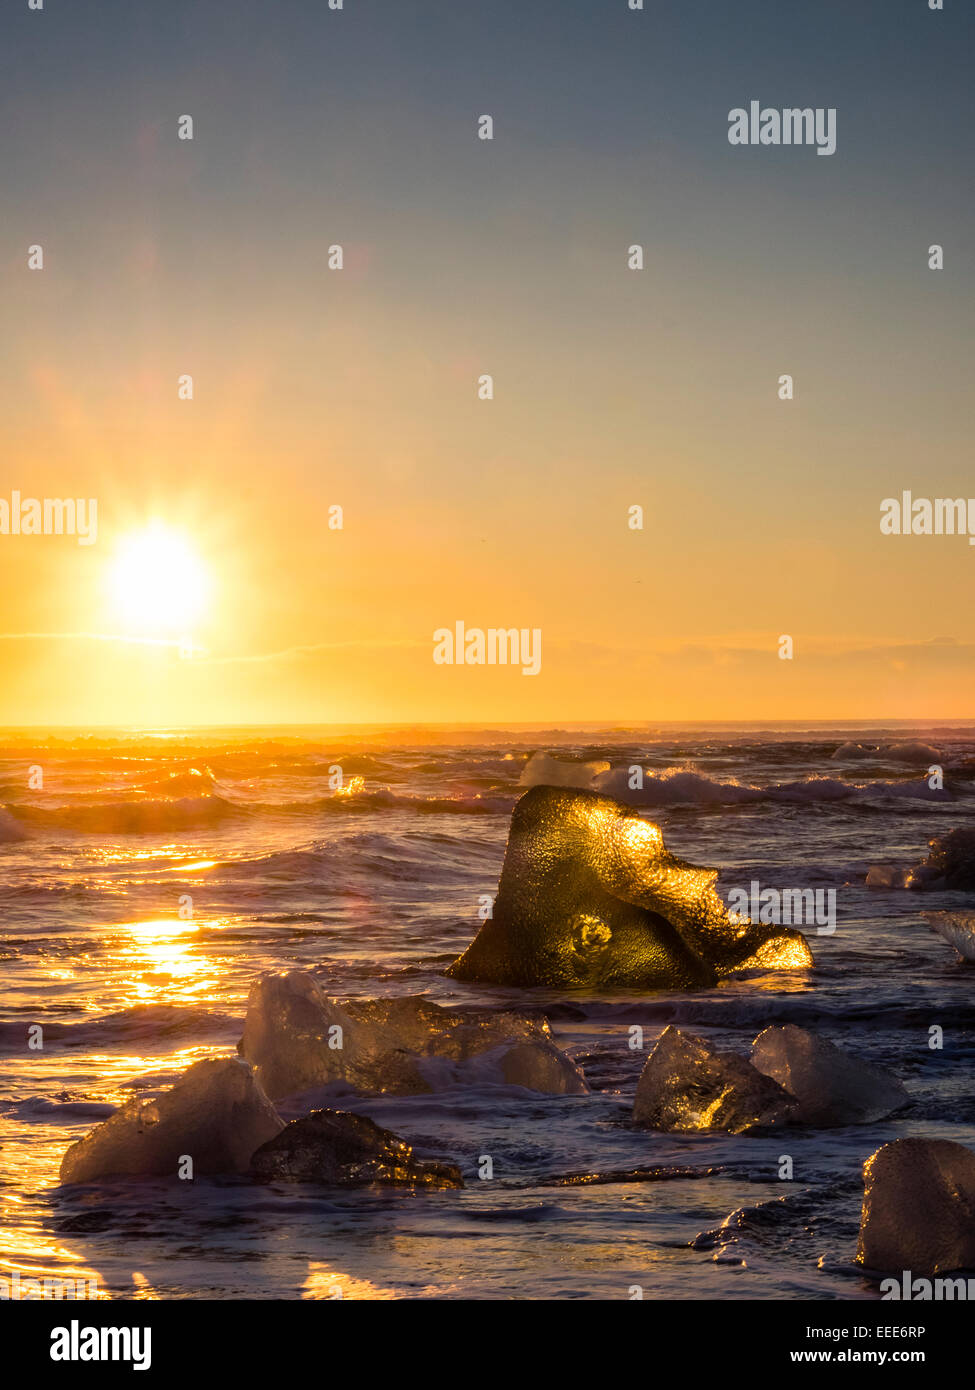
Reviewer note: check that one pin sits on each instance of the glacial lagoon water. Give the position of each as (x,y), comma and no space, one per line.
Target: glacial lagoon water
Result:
(375,887)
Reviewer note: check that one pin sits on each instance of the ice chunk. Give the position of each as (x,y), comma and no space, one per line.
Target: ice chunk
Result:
(216,1114)
(950,862)
(918,1208)
(590,898)
(332,1146)
(510,1047)
(299,1039)
(537,1066)
(957,928)
(832,1087)
(687,1085)
(543,770)
(887,876)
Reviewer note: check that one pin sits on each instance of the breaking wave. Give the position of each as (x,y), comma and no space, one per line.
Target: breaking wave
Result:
(10,828)
(159,814)
(694,788)
(149,1025)
(130,817)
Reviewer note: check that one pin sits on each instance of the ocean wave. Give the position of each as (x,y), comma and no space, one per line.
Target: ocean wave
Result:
(129,817)
(210,808)
(361,800)
(165,815)
(189,781)
(694,788)
(40,1109)
(156,1024)
(347,868)
(905,752)
(11,829)
(745,1012)
(475,805)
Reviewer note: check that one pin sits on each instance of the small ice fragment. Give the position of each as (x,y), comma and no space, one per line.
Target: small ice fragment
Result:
(957,928)
(887,876)
(950,862)
(687,1086)
(832,1087)
(334,1147)
(544,770)
(216,1114)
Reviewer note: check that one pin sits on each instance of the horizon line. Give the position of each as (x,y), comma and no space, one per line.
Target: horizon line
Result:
(536,725)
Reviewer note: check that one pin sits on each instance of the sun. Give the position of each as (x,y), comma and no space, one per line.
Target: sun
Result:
(158,582)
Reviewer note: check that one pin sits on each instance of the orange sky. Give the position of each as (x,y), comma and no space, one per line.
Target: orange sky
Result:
(612,387)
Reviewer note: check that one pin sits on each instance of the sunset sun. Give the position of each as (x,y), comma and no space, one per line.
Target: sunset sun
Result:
(158,581)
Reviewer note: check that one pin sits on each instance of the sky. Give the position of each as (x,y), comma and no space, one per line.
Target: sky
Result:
(613,388)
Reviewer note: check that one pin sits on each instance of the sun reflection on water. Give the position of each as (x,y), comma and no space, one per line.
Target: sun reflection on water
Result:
(162,960)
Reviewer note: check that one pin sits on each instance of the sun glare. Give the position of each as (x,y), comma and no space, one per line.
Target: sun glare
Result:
(158,582)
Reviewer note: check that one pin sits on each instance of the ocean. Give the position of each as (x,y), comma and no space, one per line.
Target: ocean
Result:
(148,877)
